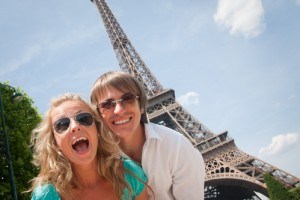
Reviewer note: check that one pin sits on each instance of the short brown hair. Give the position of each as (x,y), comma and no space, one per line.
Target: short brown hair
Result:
(123,82)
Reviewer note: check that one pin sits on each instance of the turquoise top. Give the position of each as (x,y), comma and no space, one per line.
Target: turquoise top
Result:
(48,191)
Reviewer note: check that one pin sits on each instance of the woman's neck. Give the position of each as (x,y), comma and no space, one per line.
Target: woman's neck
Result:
(87,175)
(92,184)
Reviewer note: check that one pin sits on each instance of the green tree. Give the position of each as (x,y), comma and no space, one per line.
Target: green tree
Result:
(20,119)
(276,190)
(295,192)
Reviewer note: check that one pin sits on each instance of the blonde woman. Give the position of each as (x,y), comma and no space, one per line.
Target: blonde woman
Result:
(78,158)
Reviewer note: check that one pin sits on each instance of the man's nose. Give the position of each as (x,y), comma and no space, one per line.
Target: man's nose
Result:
(119,107)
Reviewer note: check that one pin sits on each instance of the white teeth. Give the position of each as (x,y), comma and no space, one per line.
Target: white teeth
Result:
(79,139)
(121,122)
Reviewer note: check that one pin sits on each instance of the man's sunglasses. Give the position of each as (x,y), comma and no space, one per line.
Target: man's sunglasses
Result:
(126,99)
(62,124)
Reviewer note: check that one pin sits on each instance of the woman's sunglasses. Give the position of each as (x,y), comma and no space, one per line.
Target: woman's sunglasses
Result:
(61,125)
(126,99)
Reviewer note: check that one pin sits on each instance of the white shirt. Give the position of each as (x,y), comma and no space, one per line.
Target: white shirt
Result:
(175,169)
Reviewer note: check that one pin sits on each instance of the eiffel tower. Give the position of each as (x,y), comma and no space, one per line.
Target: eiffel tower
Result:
(230,172)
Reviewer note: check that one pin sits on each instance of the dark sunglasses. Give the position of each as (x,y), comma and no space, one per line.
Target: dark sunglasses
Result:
(126,99)
(85,119)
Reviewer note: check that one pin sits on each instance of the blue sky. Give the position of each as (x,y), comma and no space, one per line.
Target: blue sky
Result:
(234,64)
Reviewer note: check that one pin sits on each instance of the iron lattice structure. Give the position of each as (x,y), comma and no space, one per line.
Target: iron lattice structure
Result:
(225,163)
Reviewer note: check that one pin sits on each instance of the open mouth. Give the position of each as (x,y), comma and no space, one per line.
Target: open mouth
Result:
(81,145)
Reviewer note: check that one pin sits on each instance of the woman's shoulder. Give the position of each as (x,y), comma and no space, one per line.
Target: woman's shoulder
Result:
(134,167)
(134,176)
(45,192)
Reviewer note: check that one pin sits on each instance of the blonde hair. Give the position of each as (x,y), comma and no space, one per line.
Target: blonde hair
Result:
(55,168)
(123,82)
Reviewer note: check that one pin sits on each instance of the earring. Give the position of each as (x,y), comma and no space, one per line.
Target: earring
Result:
(59,152)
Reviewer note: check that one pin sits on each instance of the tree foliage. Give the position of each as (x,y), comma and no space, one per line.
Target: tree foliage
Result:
(295,193)
(277,191)
(20,119)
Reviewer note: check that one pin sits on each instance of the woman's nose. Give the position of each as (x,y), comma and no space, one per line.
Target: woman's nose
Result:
(75,126)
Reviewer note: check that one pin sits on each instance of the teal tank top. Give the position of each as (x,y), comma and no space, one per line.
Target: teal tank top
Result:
(48,191)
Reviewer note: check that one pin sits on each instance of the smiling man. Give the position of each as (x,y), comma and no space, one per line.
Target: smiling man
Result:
(175,169)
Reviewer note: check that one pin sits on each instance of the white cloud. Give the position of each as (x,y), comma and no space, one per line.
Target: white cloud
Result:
(280,143)
(53,45)
(29,54)
(292,96)
(195,25)
(168,5)
(241,16)
(71,38)
(190,98)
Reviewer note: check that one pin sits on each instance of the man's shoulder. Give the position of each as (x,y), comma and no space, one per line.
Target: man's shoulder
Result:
(166,133)
(162,130)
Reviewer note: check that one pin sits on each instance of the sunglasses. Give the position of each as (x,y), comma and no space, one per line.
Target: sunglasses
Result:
(61,125)
(126,99)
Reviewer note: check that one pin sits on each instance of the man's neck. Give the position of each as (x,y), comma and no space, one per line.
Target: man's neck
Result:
(133,146)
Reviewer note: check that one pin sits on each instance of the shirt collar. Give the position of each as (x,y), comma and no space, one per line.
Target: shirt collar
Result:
(151,132)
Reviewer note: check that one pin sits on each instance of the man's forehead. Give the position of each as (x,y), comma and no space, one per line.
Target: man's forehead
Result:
(110,93)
